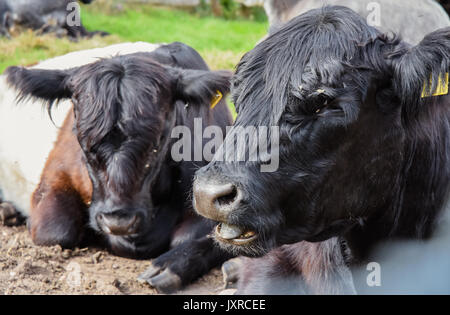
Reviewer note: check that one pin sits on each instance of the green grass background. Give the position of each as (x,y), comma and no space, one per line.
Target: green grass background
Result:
(221,42)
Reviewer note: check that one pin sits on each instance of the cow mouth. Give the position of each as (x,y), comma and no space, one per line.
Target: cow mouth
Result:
(234,235)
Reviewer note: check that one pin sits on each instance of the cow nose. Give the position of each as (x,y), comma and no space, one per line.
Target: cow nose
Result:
(118,222)
(216,201)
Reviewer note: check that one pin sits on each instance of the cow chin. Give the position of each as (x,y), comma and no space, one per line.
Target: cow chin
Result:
(261,243)
(242,241)
(256,248)
(142,246)
(122,246)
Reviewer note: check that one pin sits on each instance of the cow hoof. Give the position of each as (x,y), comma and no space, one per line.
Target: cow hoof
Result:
(230,272)
(9,216)
(162,279)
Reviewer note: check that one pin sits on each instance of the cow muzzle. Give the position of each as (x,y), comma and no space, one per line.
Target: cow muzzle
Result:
(119,222)
(216,201)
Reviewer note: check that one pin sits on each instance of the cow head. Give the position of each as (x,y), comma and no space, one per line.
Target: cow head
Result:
(124,109)
(352,124)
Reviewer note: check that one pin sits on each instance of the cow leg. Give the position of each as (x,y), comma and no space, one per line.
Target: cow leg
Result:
(185,262)
(32,20)
(9,215)
(270,275)
(301,268)
(76,32)
(7,22)
(101,33)
(58,217)
(230,271)
(40,25)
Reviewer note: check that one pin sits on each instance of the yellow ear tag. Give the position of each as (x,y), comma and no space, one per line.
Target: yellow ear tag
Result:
(441,89)
(216,99)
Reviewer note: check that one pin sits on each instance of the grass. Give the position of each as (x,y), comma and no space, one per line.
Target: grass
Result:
(28,49)
(221,42)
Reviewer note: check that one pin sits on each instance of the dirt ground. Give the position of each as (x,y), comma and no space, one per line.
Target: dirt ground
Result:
(29,269)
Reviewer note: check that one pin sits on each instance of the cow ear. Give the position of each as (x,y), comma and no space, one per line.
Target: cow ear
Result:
(421,72)
(199,87)
(49,85)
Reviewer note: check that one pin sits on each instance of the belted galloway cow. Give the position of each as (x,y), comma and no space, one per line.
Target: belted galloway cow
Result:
(107,174)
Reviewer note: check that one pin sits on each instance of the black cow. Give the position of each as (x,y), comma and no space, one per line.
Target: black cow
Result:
(111,175)
(364,143)
(43,15)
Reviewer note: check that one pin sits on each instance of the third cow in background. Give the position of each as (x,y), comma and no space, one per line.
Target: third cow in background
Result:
(410,19)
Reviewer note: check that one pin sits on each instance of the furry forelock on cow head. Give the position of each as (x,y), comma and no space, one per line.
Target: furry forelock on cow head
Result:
(309,53)
(120,106)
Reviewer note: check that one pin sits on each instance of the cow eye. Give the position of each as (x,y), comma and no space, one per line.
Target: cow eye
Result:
(320,103)
(311,106)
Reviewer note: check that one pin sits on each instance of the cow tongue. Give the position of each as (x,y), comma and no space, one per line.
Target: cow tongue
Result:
(229,232)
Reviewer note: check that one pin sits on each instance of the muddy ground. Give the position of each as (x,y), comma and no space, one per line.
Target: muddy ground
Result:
(29,269)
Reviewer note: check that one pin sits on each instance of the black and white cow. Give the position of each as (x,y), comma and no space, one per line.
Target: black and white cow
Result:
(110,176)
(411,19)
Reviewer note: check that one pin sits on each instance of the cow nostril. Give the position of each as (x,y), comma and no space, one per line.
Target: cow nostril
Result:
(227,199)
(113,223)
(100,217)
(216,201)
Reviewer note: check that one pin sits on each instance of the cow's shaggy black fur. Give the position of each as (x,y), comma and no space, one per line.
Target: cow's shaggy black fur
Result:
(362,155)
